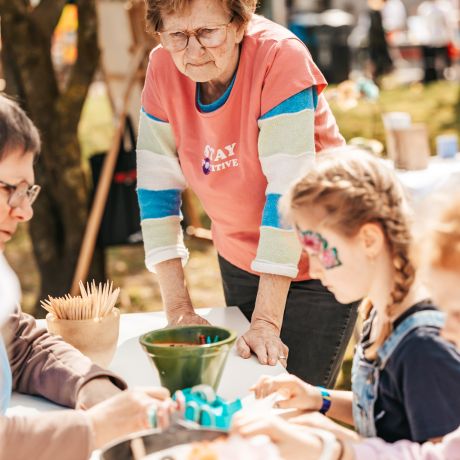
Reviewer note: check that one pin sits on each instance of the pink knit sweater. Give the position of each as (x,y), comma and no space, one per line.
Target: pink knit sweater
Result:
(376,449)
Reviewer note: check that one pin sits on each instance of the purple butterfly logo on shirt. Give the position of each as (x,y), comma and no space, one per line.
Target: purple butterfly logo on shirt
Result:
(220,159)
(206,163)
(206,166)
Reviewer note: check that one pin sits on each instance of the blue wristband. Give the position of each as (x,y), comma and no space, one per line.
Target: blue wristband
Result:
(326,400)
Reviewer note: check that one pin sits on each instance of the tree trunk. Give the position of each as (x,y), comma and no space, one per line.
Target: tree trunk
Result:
(62,208)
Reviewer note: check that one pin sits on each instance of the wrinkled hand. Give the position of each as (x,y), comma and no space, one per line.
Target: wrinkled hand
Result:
(95,391)
(127,413)
(293,441)
(263,340)
(187,319)
(320,421)
(297,393)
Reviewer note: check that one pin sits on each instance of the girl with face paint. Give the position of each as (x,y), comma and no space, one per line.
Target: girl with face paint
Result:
(352,219)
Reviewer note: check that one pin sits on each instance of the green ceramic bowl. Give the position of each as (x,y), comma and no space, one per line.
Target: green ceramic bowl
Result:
(187,365)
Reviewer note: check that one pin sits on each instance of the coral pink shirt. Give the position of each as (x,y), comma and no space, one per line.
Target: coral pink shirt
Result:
(240,158)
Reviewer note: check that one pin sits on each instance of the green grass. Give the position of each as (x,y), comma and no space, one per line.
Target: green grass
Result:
(436,105)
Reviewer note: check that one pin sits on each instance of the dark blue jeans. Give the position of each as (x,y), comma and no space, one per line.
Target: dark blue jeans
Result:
(316,327)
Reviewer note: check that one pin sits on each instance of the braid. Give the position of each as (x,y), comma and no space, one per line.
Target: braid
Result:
(404,277)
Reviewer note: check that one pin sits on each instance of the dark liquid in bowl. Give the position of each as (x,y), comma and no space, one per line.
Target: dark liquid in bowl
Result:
(176,344)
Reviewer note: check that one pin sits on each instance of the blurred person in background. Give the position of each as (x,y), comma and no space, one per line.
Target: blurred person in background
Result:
(438,34)
(379,53)
(394,17)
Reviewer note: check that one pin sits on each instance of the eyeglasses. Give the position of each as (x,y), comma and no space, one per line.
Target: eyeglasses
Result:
(207,37)
(17,193)
(314,244)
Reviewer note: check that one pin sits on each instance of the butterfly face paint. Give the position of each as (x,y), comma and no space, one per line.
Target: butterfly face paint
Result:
(314,244)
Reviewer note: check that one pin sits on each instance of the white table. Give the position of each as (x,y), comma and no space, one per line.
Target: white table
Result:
(131,362)
(440,173)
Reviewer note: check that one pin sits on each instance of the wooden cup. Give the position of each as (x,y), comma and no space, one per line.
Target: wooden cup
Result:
(95,338)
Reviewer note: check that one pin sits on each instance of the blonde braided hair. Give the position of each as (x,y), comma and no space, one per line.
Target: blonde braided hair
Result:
(354,188)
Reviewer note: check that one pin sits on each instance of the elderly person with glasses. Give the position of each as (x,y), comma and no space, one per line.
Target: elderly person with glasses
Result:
(233,106)
(35,362)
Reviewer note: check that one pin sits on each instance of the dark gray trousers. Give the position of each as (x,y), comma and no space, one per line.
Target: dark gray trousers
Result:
(316,327)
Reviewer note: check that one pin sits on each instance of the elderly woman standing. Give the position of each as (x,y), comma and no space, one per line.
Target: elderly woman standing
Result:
(233,106)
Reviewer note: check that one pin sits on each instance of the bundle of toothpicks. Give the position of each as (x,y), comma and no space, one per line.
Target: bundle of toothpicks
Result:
(95,302)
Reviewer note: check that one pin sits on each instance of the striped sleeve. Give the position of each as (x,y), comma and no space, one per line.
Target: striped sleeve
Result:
(286,150)
(160,183)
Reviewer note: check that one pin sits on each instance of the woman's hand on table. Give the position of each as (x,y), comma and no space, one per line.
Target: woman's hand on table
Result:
(297,394)
(293,441)
(263,339)
(128,412)
(176,299)
(95,391)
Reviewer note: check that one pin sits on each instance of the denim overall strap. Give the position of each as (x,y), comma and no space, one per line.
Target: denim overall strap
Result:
(364,384)
(427,318)
(365,374)
(6,380)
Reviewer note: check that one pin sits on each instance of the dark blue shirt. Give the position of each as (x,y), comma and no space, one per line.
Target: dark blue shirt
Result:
(419,388)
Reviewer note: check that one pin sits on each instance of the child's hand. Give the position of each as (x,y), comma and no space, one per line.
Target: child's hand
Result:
(293,441)
(320,421)
(297,393)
